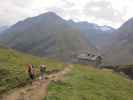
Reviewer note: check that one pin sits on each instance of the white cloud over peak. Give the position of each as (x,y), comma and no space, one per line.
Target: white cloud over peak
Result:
(109,12)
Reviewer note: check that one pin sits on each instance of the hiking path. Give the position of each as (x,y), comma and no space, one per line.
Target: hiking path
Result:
(39,88)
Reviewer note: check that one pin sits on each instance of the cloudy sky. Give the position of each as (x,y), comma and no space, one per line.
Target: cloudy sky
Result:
(102,12)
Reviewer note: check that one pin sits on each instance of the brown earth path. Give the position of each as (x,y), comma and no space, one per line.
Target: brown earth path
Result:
(39,88)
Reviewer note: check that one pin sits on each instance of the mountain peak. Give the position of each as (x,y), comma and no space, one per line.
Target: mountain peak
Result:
(131,19)
(128,24)
(49,14)
(106,28)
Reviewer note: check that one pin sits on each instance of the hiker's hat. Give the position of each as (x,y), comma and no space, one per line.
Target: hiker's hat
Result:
(43,65)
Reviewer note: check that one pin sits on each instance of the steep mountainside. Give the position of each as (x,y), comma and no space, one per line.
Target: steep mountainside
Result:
(3,28)
(97,35)
(46,35)
(121,49)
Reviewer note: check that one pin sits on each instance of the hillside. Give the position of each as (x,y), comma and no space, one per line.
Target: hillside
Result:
(82,82)
(97,35)
(121,49)
(3,28)
(46,35)
(13,68)
(86,83)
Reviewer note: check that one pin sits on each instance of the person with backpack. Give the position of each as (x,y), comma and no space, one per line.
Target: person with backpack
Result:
(31,71)
(42,71)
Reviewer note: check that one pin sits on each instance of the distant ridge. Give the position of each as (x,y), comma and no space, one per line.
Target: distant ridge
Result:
(46,35)
(3,28)
(121,49)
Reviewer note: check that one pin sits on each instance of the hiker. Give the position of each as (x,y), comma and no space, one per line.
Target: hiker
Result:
(98,60)
(42,71)
(31,71)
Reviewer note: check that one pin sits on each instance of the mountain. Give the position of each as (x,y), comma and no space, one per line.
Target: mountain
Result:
(97,35)
(46,35)
(3,28)
(121,49)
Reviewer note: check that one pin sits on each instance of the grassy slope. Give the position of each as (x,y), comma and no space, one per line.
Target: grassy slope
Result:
(85,83)
(13,68)
(82,83)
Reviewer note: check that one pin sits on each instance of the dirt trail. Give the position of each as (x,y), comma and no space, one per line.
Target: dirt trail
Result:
(38,90)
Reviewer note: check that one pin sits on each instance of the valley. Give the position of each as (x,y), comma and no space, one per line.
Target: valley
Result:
(70,50)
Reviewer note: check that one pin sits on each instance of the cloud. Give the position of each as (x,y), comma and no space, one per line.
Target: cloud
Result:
(103,10)
(14,10)
(110,12)
(11,11)
(66,9)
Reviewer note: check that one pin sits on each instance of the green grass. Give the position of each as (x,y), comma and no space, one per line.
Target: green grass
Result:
(82,83)
(13,68)
(85,83)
